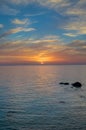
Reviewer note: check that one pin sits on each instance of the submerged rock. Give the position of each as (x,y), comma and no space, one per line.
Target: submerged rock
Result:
(62,102)
(77,85)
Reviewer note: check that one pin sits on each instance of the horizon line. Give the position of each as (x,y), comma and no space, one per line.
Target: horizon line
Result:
(40,64)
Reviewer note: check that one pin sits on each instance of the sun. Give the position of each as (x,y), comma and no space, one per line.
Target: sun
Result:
(42,62)
(42,59)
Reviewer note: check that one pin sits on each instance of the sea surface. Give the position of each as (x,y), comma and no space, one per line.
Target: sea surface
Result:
(31,97)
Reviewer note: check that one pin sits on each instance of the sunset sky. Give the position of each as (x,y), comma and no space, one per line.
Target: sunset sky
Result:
(42,32)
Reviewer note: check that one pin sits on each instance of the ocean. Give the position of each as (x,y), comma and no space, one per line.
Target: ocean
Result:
(31,97)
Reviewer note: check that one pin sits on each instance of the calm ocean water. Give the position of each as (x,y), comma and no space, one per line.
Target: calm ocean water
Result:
(32,99)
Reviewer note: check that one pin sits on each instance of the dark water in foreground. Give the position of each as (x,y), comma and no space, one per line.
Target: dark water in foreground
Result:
(32,99)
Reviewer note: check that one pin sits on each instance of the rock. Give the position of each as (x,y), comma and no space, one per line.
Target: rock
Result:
(62,102)
(77,85)
(81,96)
(61,83)
(64,83)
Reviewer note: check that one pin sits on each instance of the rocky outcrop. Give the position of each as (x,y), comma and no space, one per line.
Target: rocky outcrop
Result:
(77,85)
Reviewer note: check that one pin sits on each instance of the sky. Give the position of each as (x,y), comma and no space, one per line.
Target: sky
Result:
(42,32)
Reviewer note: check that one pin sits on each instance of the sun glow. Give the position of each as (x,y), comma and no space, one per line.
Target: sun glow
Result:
(43,60)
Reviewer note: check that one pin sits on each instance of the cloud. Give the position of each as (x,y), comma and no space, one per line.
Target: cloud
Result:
(77,18)
(46,48)
(20,22)
(28,29)
(21,2)
(47,3)
(76,11)
(78,44)
(1,25)
(44,43)
(78,26)
(35,48)
(16,30)
(77,47)
(25,2)
(5,9)
(66,7)
(73,53)
(61,6)
(70,34)
(35,14)
(51,3)
(30,50)
(23,22)
(57,5)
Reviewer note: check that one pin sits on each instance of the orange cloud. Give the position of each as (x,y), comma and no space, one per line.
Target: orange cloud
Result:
(48,51)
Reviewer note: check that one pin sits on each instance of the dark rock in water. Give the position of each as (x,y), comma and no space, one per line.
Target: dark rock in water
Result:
(61,83)
(77,85)
(11,111)
(62,102)
(81,96)
(64,83)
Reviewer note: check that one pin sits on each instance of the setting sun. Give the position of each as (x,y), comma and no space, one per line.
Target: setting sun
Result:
(42,62)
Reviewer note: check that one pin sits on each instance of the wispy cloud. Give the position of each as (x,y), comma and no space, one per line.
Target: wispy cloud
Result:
(78,26)
(53,3)
(47,3)
(48,42)
(76,11)
(1,25)
(5,9)
(77,18)
(66,7)
(16,30)
(28,29)
(35,14)
(77,47)
(21,2)
(47,47)
(20,22)
(70,34)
